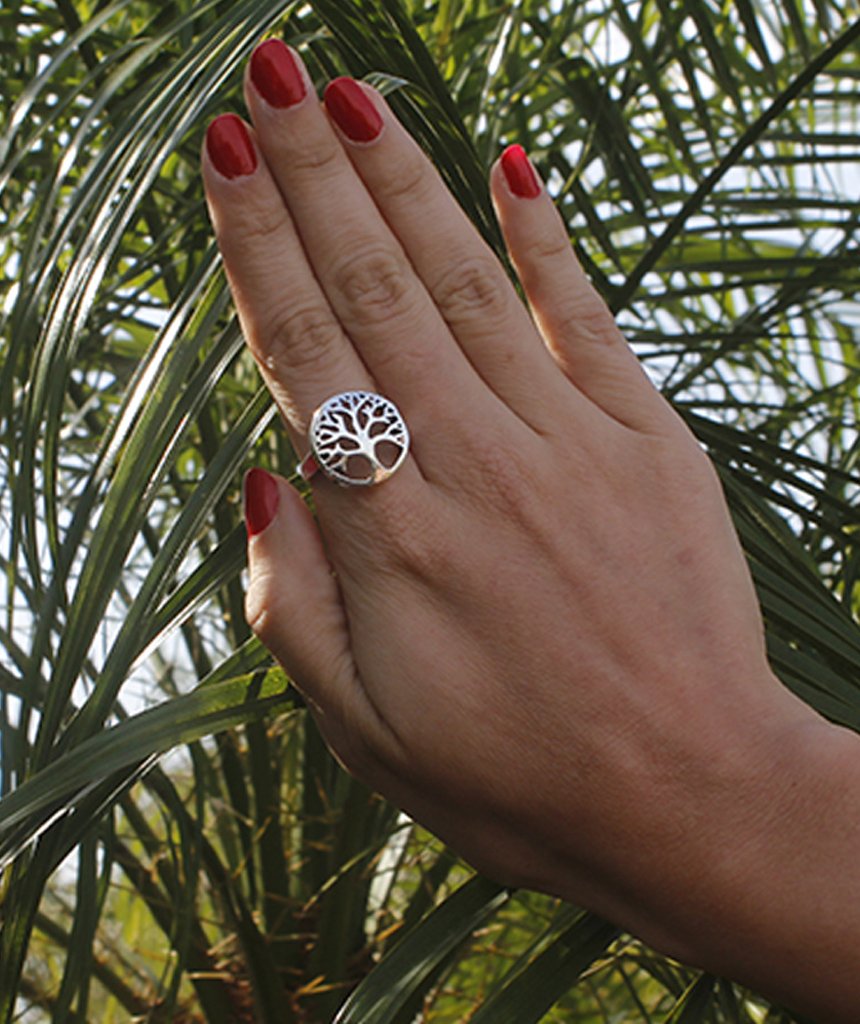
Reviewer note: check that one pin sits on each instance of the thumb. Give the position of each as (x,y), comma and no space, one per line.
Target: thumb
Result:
(293,603)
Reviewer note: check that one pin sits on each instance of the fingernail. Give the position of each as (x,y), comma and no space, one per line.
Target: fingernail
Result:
(230,147)
(261,500)
(352,110)
(519,173)
(276,74)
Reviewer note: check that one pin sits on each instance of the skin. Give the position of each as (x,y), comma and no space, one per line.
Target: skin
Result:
(539,637)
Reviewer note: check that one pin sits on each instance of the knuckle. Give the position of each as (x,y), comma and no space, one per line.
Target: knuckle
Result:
(425,555)
(257,225)
(300,336)
(411,184)
(588,320)
(320,160)
(374,284)
(473,288)
(417,542)
(546,248)
(260,610)
(506,476)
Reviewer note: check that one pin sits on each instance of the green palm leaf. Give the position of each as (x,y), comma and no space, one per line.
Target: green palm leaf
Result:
(411,967)
(703,159)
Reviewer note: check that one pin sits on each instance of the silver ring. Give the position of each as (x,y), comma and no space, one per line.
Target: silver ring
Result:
(357,439)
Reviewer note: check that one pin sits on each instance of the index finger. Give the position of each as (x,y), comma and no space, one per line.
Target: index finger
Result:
(297,341)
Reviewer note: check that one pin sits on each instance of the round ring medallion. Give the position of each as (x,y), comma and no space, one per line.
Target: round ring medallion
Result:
(358,438)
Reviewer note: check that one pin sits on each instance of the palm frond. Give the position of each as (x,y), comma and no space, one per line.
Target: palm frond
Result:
(705,160)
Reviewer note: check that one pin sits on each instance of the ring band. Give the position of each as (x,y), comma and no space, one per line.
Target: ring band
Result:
(307,467)
(357,439)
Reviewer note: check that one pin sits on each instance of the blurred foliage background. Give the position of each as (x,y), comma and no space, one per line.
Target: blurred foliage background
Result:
(176,843)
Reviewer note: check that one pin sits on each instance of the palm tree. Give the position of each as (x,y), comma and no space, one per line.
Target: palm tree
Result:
(705,158)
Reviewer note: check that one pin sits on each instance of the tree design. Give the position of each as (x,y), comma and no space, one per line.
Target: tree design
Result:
(358,437)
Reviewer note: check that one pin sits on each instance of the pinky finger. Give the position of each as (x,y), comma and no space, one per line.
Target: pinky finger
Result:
(576,325)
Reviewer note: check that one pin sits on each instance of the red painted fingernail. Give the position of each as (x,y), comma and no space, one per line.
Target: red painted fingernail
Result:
(276,75)
(261,500)
(352,110)
(230,147)
(519,173)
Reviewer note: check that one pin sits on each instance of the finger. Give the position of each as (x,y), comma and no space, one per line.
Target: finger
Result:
(462,274)
(362,268)
(290,328)
(579,330)
(294,606)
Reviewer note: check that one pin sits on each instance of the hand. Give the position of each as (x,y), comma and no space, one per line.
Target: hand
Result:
(539,636)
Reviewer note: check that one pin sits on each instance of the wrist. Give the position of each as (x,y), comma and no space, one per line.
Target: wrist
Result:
(729,844)
(736,852)
(773,902)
